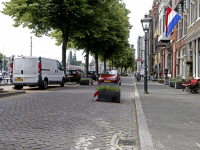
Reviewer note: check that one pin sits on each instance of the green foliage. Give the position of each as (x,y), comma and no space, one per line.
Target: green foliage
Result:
(108,88)
(178,80)
(86,79)
(1,61)
(72,60)
(170,79)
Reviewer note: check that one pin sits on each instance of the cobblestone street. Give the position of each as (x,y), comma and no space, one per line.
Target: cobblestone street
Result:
(68,118)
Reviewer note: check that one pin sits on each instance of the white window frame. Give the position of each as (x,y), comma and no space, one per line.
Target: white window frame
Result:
(192,2)
(182,62)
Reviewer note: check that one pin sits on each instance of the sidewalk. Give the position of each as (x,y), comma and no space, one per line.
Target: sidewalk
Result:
(172,115)
(8,91)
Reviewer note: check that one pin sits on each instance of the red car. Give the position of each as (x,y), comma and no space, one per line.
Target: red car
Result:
(111,76)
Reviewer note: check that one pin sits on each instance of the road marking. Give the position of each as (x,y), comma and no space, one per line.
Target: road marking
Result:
(198,144)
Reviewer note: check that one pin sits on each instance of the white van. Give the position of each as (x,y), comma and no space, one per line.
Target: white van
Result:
(36,71)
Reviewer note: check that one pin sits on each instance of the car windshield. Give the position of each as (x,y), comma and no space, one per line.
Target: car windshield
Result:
(91,72)
(110,72)
(71,72)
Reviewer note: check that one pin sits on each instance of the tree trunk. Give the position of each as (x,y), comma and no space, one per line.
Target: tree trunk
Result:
(64,48)
(104,63)
(112,63)
(121,69)
(97,63)
(87,60)
(87,55)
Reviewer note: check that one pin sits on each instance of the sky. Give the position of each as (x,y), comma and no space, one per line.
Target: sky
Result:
(17,41)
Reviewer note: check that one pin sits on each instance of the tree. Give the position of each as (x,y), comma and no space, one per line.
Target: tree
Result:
(44,16)
(1,61)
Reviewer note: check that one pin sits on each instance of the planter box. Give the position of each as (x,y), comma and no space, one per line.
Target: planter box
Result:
(85,82)
(166,82)
(109,96)
(178,85)
(171,83)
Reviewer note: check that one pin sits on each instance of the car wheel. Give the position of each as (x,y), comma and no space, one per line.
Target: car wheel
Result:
(45,84)
(62,83)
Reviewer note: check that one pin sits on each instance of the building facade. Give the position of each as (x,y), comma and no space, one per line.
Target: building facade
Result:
(183,43)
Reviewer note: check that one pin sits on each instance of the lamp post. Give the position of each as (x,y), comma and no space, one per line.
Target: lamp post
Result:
(145,25)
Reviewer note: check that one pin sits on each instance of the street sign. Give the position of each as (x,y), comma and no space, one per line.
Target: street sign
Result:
(139,59)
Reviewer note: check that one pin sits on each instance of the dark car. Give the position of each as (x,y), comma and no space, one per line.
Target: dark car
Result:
(93,75)
(111,76)
(73,75)
(82,73)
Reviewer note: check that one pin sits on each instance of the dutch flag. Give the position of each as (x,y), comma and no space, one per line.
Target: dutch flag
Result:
(172,18)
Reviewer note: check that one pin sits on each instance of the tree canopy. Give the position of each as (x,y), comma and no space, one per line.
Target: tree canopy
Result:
(99,27)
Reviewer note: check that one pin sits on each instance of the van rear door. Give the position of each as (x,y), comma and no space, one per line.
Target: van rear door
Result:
(18,68)
(31,70)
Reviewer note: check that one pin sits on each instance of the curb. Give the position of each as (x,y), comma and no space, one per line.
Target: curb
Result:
(145,140)
(11,94)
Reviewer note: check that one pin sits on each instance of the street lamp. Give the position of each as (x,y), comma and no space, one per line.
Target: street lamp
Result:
(145,25)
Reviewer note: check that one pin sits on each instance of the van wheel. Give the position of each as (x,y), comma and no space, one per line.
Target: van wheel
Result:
(18,87)
(63,82)
(45,84)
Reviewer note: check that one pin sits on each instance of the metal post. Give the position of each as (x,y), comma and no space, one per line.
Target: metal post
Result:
(31,47)
(145,67)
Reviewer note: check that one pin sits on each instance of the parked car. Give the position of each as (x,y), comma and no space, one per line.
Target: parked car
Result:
(93,75)
(73,75)
(83,74)
(111,76)
(36,71)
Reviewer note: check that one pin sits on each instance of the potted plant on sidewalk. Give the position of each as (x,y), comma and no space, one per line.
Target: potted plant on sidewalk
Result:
(109,93)
(171,81)
(166,77)
(86,81)
(178,84)
(189,64)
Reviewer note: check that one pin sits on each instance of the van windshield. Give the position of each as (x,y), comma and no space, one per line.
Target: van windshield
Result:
(19,63)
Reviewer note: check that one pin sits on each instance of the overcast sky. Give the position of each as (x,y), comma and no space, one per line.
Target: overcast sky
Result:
(16,41)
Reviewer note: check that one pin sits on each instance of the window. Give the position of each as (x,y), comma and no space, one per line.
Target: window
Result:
(183,59)
(160,26)
(199,55)
(192,9)
(164,18)
(198,9)
(179,30)
(185,25)
(190,51)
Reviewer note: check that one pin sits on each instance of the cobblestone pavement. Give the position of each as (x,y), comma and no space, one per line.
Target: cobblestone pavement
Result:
(68,118)
(173,116)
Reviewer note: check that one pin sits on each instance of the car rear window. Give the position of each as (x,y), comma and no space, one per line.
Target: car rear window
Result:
(110,72)
(71,71)
(91,72)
